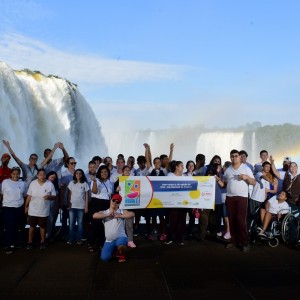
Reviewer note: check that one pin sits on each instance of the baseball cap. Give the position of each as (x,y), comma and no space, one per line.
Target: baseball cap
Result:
(117,197)
(287,158)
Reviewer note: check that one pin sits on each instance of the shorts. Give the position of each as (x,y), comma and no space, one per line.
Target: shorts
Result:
(33,221)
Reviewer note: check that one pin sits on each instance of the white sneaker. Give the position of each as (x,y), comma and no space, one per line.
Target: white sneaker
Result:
(227,236)
(131,244)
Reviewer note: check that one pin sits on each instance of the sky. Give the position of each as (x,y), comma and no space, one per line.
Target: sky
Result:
(164,63)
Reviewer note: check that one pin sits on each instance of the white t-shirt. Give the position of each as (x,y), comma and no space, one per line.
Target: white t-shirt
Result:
(13,193)
(259,190)
(114,177)
(276,207)
(114,228)
(140,172)
(105,189)
(78,194)
(38,207)
(236,186)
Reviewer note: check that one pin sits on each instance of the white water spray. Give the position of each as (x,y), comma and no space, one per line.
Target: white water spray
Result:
(37,111)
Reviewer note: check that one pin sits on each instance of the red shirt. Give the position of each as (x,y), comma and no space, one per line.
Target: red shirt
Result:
(4,173)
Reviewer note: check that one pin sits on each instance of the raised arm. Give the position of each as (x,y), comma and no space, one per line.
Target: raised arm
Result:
(45,161)
(66,155)
(148,156)
(275,171)
(7,144)
(170,156)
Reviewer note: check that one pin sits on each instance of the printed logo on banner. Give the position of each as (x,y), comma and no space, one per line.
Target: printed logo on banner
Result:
(132,192)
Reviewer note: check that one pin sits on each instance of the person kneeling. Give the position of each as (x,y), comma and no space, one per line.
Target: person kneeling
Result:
(114,225)
(275,206)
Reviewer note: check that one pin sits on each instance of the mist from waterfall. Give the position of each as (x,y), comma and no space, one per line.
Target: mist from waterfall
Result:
(279,140)
(37,111)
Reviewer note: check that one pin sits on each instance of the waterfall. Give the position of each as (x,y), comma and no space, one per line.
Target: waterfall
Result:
(37,111)
(220,143)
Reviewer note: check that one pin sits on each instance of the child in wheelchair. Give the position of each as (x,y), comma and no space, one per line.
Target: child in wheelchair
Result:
(275,207)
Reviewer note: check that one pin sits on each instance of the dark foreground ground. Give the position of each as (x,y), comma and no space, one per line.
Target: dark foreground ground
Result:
(153,271)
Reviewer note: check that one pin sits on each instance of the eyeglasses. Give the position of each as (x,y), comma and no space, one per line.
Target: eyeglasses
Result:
(73,163)
(116,201)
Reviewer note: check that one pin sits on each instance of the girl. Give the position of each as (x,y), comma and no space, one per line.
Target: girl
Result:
(78,199)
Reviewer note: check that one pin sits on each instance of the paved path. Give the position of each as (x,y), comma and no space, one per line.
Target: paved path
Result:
(153,271)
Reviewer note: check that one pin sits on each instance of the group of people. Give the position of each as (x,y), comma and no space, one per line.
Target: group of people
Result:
(36,194)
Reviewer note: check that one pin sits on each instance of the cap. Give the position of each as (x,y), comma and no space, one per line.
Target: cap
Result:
(117,197)
(287,158)
(5,156)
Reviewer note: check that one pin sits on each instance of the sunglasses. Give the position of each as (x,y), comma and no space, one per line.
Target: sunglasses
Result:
(116,201)
(73,163)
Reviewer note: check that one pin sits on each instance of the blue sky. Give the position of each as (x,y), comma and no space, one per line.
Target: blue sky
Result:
(157,64)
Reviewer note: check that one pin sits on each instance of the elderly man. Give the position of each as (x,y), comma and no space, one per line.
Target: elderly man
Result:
(237,178)
(114,224)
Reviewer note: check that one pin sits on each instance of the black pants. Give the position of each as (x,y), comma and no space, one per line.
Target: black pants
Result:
(96,234)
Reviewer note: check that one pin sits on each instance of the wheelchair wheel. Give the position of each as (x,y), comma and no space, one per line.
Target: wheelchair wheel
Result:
(290,229)
(274,242)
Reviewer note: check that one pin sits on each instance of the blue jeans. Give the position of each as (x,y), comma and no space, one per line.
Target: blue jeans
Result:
(76,214)
(110,247)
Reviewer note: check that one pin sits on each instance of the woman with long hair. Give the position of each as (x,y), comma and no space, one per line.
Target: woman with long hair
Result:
(78,200)
(102,189)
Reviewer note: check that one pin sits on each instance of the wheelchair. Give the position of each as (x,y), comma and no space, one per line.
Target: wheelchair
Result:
(290,226)
(274,232)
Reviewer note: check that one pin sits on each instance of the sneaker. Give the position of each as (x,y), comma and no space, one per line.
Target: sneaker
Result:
(79,242)
(131,244)
(90,248)
(29,246)
(8,250)
(163,237)
(42,246)
(70,243)
(246,248)
(122,258)
(181,243)
(219,233)
(227,236)
(263,234)
(168,242)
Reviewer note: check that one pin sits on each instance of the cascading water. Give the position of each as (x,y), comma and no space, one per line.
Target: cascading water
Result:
(37,111)
(220,143)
